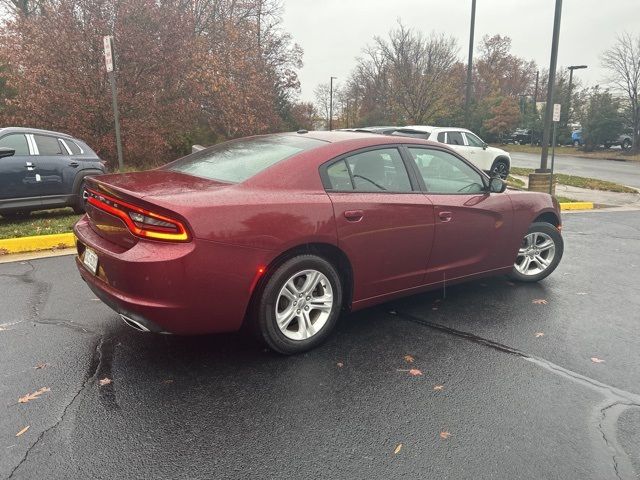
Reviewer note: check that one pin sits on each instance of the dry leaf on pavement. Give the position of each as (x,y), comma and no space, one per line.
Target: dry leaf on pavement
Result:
(398,448)
(105,381)
(32,396)
(444,435)
(23,430)
(597,360)
(408,359)
(340,364)
(415,372)
(539,301)
(539,334)
(40,366)
(438,388)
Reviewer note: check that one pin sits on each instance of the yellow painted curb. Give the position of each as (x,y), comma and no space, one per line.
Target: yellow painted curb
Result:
(576,206)
(40,242)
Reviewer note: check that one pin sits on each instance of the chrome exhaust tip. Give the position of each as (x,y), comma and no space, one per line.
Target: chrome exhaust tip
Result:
(134,324)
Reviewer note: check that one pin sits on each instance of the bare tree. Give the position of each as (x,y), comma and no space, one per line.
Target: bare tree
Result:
(322,94)
(623,61)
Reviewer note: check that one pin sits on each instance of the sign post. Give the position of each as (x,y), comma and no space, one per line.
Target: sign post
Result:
(108,60)
(556,118)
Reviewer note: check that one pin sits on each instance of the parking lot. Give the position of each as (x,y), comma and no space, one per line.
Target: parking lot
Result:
(485,380)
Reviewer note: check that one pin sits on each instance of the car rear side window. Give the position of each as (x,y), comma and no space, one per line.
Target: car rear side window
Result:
(48,145)
(378,171)
(75,149)
(454,138)
(17,141)
(239,160)
(339,177)
(441,137)
(473,140)
(443,172)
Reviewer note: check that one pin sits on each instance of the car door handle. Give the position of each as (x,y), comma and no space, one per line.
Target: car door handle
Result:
(353,215)
(73,164)
(29,166)
(445,216)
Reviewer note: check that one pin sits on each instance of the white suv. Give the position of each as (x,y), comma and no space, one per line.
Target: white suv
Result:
(490,159)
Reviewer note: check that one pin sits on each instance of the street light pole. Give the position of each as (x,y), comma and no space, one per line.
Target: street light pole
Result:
(546,132)
(331,103)
(571,69)
(467,97)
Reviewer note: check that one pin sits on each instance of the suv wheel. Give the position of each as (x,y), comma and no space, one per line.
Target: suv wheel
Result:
(626,144)
(500,168)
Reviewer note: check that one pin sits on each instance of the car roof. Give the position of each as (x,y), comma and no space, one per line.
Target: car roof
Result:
(428,128)
(33,130)
(339,137)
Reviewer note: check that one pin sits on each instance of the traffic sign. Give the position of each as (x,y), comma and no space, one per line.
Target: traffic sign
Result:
(556,112)
(108,53)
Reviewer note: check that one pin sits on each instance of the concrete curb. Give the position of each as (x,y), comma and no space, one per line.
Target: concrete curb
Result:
(576,206)
(40,242)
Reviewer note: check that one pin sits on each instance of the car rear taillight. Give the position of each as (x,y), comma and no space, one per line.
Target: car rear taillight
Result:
(141,222)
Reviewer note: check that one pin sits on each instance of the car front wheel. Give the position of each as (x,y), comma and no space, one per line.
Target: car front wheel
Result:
(500,169)
(626,144)
(299,304)
(540,253)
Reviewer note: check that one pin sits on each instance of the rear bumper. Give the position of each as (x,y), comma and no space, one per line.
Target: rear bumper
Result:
(183,288)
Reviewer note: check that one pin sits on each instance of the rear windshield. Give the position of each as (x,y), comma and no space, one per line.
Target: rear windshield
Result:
(239,160)
(411,133)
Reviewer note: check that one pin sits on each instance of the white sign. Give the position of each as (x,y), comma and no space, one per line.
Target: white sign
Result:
(108,54)
(556,112)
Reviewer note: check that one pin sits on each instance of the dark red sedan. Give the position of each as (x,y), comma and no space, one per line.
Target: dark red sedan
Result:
(282,232)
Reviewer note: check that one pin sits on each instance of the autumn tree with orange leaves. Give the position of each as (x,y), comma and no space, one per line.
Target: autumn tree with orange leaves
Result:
(186,72)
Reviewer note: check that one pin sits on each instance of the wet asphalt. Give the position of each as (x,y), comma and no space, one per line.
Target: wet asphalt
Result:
(518,394)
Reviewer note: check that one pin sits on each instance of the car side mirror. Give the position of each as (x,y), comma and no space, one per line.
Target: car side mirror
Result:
(6,152)
(485,145)
(497,185)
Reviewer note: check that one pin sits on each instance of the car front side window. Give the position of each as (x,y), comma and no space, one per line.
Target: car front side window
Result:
(454,138)
(16,141)
(445,173)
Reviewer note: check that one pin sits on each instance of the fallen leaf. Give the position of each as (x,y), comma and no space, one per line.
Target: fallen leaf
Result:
(539,301)
(168,380)
(539,334)
(582,293)
(340,364)
(597,360)
(34,395)
(104,381)
(415,372)
(40,366)
(444,435)
(398,448)
(408,359)
(22,431)
(393,312)
(438,388)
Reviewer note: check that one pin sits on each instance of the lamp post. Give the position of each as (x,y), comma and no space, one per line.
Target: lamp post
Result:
(331,103)
(467,97)
(546,132)
(571,69)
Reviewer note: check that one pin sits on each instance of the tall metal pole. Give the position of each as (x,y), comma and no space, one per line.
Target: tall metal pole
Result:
(535,103)
(571,69)
(331,103)
(467,96)
(550,88)
(108,57)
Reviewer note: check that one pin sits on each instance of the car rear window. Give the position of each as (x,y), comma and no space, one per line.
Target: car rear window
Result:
(411,133)
(239,160)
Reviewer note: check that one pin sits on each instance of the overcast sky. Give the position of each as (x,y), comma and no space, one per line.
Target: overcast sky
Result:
(333,32)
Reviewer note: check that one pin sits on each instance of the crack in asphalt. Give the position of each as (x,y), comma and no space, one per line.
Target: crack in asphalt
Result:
(92,373)
(617,400)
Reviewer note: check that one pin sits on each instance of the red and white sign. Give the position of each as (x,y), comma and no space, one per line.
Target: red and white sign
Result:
(108,53)
(556,112)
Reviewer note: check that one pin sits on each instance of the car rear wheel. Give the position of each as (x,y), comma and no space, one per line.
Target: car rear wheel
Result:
(576,143)
(299,304)
(541,250)
(626,144)
(80,201)
(500,168)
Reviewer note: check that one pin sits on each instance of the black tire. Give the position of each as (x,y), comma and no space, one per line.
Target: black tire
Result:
(16,215)
(264,314)
(576,143)
(80,201)
(626,144)
(500,168)
(554,234)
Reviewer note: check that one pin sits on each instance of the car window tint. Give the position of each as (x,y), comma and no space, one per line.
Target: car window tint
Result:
(441,137)
(48,145)
(239,160)
(379,170)
(17,141)
(454,138)
(446,173)
(75,149)
(473,140)
(339,177)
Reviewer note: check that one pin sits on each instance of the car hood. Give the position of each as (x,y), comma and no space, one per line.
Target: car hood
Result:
(498,151)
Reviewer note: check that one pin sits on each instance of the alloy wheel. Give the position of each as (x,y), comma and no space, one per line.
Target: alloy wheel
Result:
(501,170)
(304,304)
(536,254)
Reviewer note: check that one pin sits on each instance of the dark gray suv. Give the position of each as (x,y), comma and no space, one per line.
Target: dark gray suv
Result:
(41,170)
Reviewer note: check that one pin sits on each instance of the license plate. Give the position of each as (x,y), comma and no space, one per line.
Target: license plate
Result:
(91,260)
